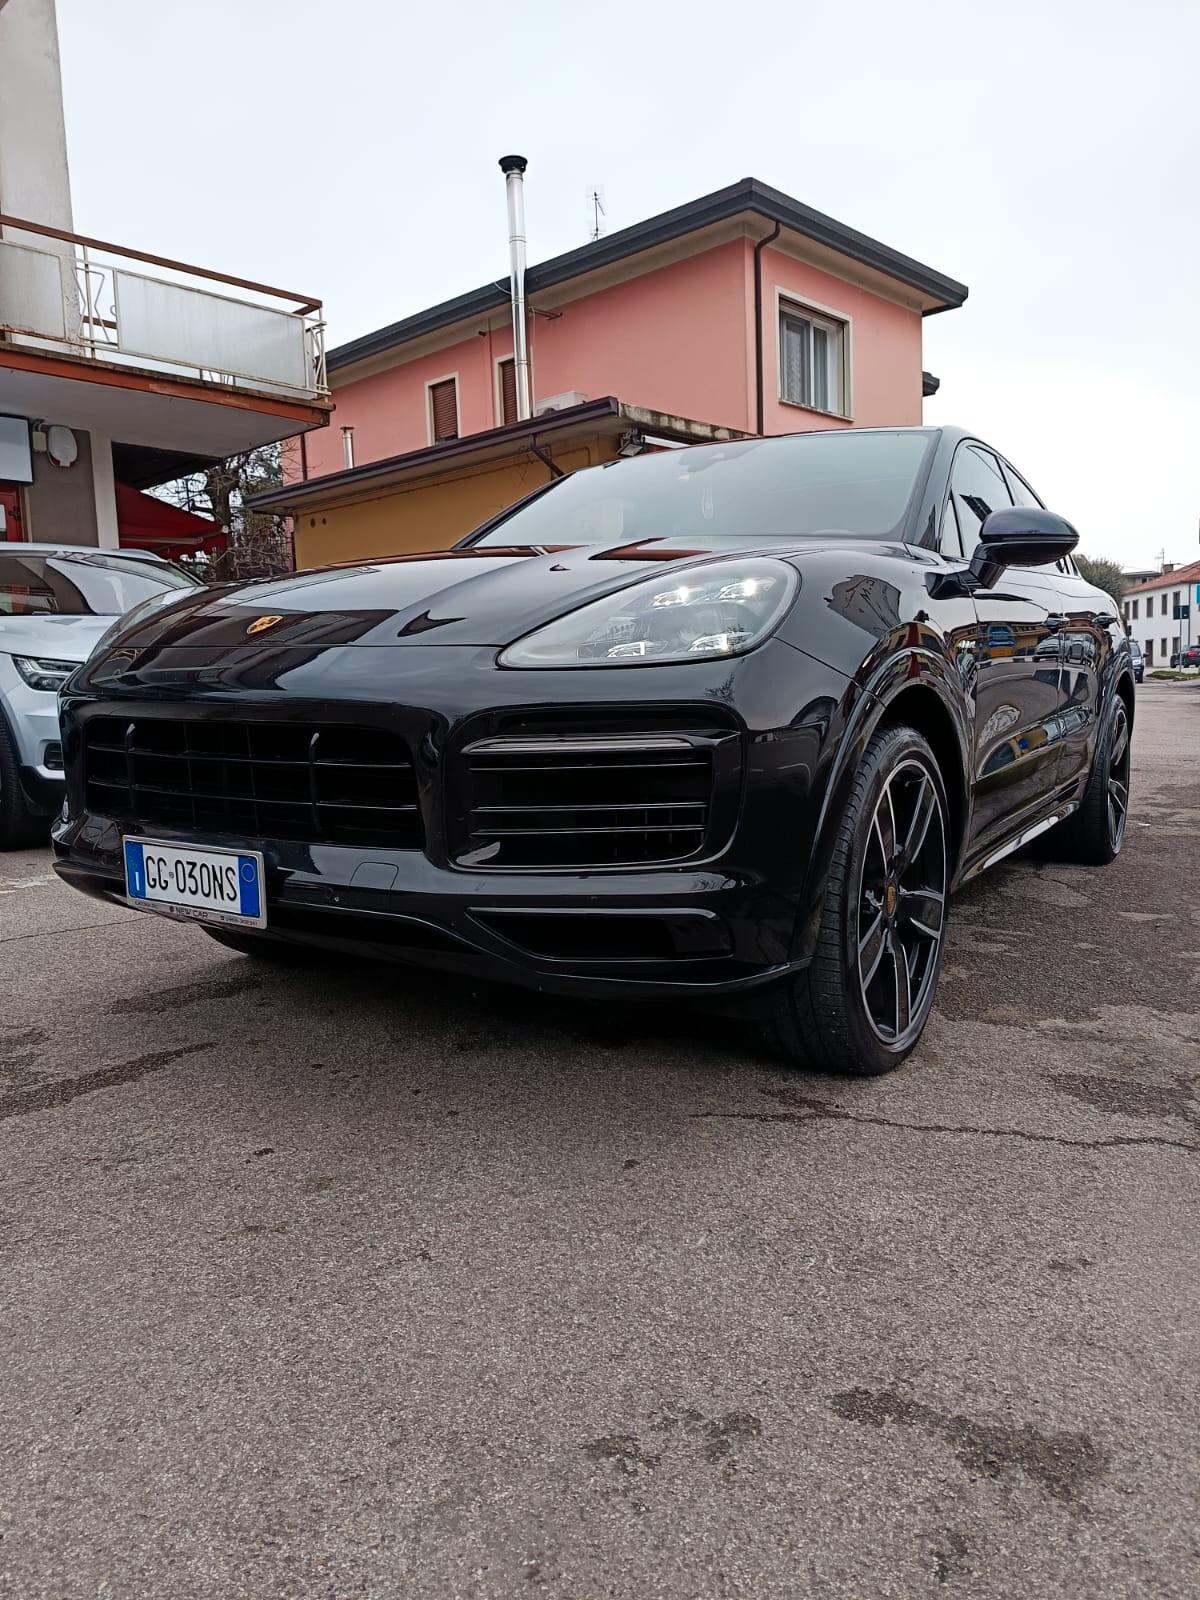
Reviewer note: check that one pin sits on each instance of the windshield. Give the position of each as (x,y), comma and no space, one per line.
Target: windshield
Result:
(84,585)
(749,491)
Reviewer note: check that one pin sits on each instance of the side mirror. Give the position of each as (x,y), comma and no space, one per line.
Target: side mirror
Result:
(1020,536)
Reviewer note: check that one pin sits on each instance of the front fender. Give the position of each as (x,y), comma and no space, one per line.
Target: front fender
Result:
(916,685)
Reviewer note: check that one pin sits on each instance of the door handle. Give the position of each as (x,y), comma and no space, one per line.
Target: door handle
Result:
(1056,622)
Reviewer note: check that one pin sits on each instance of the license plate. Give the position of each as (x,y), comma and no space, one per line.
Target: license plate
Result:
(200,885)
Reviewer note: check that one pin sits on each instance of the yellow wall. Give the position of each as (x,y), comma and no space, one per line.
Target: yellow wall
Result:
(431,515)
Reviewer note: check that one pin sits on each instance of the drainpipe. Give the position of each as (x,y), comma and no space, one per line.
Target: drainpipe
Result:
(347,448)
(766,239)
(513,168)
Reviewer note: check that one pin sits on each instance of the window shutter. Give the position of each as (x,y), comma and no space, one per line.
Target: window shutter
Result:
(508,390)
(443,403)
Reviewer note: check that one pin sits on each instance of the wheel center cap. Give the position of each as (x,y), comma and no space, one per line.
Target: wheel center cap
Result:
(891,899)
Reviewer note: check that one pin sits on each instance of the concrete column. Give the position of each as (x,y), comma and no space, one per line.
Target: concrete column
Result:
(104,485)
(35,181)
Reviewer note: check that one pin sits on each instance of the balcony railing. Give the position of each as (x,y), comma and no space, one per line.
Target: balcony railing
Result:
(80,297)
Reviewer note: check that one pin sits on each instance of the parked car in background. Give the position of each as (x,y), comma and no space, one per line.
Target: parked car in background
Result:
(1136,660)
(1190,657)
(725,721)
(55,603)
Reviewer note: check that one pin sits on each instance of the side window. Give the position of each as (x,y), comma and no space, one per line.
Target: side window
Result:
(951,540)
(1022,494)
(978,486)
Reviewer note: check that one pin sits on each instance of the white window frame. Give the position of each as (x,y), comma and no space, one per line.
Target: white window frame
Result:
(787,302)
(430,385)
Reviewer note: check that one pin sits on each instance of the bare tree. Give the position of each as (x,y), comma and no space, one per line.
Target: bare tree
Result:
(258,545)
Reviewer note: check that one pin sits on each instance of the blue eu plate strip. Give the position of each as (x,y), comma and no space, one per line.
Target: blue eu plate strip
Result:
(135,870)
(251,904)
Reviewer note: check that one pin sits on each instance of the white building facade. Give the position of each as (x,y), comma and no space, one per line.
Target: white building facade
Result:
(1163,614)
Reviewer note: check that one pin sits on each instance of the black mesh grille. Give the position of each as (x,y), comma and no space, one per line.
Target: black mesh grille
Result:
(603,800)
(320,783)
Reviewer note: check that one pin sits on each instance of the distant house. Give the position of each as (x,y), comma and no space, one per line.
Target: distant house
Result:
(1162,613)
(743,312)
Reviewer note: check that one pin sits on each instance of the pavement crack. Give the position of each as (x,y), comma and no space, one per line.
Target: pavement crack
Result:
(52,1095)
(814,1110)
(57,933)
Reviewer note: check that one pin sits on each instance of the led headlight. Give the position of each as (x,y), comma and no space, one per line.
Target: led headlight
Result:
(722,609)
(40,672)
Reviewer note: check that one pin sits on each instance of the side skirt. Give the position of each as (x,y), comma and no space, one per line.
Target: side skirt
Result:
(1023,838)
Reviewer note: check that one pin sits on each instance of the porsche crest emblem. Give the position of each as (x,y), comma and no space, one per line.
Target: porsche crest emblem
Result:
(261,624)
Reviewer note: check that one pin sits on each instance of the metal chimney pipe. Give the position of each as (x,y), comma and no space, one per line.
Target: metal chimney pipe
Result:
(513,168)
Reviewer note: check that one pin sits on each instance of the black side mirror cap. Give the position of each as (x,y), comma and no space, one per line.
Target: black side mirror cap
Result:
(1020,536)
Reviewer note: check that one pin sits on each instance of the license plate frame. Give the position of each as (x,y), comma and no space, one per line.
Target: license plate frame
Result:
(184,897)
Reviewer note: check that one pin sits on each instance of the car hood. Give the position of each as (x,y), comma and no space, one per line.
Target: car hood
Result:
(461,597)
(53,638)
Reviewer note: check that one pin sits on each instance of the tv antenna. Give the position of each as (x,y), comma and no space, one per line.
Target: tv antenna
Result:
(595,202)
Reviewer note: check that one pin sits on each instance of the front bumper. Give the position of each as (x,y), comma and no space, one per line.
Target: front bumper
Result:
(31,716)
(719,922)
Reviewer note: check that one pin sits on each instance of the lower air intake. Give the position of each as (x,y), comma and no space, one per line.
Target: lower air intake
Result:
(595,800)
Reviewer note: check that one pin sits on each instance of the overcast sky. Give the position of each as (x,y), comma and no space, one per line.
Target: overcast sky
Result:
(1046,153)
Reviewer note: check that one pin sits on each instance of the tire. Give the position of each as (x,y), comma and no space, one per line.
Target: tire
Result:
(279,952)
(18,825)
(879,917)
(1094,834)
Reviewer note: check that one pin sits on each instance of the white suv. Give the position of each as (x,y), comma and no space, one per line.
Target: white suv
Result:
(55,602)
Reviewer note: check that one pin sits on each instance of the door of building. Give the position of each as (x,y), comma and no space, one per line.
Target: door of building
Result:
(10,513)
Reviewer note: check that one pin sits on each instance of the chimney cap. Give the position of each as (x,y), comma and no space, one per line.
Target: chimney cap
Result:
(513,164)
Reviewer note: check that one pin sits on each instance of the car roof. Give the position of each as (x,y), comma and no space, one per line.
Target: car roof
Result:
(29,548)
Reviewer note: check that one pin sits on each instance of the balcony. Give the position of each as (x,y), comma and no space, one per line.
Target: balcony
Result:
(152,351)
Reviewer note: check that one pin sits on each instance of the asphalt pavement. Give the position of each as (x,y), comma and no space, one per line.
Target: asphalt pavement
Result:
(367,1283)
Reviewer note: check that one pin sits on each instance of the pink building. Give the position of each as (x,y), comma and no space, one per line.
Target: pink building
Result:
(743,311)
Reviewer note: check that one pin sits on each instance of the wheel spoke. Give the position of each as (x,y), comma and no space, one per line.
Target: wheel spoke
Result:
(885,826)
(870,950)
(903,988)
(923,810)
(924,910)
(1120,744)
(1119,794)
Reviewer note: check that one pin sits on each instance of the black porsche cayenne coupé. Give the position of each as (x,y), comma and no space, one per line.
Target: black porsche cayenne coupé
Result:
(731,720)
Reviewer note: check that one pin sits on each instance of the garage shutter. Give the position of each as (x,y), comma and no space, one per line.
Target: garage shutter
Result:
(508,390)
(443,405)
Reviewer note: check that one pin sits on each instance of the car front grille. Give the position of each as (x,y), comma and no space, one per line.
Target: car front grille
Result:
(325,783)
(591,800)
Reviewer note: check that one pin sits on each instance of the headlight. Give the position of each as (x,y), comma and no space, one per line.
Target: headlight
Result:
(723,609)
(40,672)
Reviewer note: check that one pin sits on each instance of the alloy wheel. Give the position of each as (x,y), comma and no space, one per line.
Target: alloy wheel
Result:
(902,903)
(1118,776)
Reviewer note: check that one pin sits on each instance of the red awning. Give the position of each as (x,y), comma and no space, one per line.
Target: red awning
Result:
(145,523)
